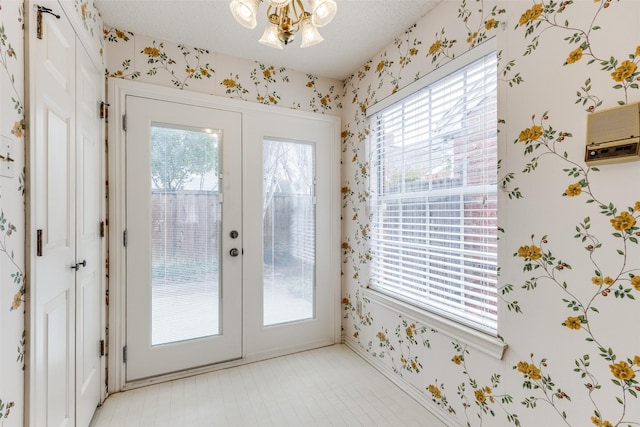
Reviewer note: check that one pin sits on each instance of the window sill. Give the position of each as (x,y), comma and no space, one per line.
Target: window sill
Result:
(487,344)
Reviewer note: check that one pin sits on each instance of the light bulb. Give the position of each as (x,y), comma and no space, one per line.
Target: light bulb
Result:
(244,11)
(322,11)
(270,37)
(310,34)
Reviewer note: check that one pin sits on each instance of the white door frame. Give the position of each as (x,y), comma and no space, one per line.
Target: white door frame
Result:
(118,89)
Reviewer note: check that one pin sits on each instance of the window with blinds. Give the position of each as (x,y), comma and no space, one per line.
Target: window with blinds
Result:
(434,207)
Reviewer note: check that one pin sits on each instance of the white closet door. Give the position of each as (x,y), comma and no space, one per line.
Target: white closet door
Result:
(52,284)
(89,244)
(66,205)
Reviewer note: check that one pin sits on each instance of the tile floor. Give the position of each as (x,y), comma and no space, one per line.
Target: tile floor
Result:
(331,386)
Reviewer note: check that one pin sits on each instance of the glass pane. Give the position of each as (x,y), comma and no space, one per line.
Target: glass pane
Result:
(185,229)
(289,232)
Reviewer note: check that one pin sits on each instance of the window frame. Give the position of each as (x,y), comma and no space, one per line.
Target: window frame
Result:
(454,323)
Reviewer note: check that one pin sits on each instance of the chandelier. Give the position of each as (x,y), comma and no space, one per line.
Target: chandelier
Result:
(285,18)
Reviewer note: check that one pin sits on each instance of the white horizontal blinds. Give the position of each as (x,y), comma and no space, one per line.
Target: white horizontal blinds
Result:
(434,228)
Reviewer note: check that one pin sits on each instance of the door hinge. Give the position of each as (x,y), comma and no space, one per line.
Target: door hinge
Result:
(101,228)
(40,10)
(101,348)
(124,122)
(124,354)
(104,110)
(38,242)
(125,238)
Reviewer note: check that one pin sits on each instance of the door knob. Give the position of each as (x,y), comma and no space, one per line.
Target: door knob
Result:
(233,234)
(79,264)
(233,252)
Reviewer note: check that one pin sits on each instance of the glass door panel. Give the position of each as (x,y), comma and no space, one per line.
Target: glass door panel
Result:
(288,231)
(183,200)
(185,230)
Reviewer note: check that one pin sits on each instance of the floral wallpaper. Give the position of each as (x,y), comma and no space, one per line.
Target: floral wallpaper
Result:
(12,190)
(569,259)
(161,62)
(568,256)
(12,126)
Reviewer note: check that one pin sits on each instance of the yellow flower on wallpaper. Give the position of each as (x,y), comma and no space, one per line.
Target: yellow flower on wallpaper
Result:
(597,421)
(456,359)
(489,24)
(636,207)
(532,252)
(230,83)
(345,301)
(380,66)
(435,47)
(120,34)
(17,301)
(623,221)
(17,129)
(531,14)
(573,323)
(575,56)
(413,51)
(635,282)
(597,280)
(637,51)
(153,52)
(204,72)
(435,391)
(624,71)
(530,134)
(622,371)
(472,37)
(381,336)
(608,281)
(636,360)
(530,370)
(574,190)
(480,396)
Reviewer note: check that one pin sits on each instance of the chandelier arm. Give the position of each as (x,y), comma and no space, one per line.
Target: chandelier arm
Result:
(299,15)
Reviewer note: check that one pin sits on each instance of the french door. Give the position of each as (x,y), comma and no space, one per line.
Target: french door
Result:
(184,266)
(230,228)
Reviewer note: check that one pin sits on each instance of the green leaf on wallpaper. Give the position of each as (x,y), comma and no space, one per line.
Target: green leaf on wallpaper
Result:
(632,392)
(634,240)
(616,234)
(607,354)
(620,252)
(616,382)
(594,309)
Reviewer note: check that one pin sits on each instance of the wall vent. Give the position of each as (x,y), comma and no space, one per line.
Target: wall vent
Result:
(613,135)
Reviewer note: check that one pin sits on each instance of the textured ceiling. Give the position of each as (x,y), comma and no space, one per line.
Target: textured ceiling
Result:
(360,30)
